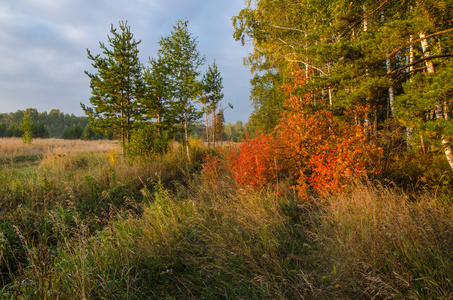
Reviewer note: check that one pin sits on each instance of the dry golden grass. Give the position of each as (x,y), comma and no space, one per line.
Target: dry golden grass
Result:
(11,147)
(133,229)
(382,241)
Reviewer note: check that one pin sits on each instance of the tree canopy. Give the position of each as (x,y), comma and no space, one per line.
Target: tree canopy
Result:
(387,56)
(117,86)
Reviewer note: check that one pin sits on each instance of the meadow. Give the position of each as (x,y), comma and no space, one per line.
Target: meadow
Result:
(78,221)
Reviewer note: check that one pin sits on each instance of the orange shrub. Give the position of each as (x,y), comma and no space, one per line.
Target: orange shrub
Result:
(323,150)
(316,147)
(254,162)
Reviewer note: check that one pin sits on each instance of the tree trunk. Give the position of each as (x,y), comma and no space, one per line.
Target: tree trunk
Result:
(448,151)
(391,89)
(330,88)
(426,53)
(214,127)
(410,60)
(388,64)
(186,136)
(159,118)
(207,125)
(365,29)
(122,125)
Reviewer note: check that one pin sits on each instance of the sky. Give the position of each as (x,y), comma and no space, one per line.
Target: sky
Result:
(43,47)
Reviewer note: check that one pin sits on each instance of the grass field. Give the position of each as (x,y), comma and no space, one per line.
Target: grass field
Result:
(79,222)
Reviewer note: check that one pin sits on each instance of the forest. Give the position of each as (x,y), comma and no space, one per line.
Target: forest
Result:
(54,124)
(339,186)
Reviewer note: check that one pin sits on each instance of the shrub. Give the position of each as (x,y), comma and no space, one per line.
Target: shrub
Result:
(146,142)
(254,162)
(27,128)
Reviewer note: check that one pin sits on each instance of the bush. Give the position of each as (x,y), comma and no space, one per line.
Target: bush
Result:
(146,142)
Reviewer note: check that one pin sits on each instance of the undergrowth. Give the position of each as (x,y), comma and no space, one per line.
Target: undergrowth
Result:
(94,226)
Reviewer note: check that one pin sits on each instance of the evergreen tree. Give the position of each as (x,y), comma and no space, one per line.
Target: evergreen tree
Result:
(73,133)
(219,126)
(179,51)
(3,129)
(117,86)
(157,92)
(39,130)
(212,95)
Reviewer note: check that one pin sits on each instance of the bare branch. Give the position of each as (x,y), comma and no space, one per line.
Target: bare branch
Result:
(306,64)
(378,8)
(287,28)
(418,40)
(397,70)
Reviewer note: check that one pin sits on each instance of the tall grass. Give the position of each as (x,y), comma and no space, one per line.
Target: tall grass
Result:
(235,247)
(90,225)
(383,243)
(81,182)
(10,147)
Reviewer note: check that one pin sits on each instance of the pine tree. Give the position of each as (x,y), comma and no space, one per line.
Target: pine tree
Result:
(158,92)
(212,95)
(179,50)
(117,86)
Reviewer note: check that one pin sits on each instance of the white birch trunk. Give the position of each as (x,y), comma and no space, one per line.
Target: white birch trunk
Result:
(391,89)
(388,64)
(365,28)
(330,89)
(448,151)
(409,61)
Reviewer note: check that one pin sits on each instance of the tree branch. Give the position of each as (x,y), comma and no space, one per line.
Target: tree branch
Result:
(419,61)
(287,28)
(378,8)
(418,40)
(306,64)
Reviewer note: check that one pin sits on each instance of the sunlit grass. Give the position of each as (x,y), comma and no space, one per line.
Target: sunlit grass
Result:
(384,243)
(89,224)
(10,147)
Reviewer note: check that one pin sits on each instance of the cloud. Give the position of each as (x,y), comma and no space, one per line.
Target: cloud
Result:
(44,42)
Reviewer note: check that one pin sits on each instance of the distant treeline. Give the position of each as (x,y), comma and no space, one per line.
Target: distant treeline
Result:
(54,124)
(57,124)
(229,132)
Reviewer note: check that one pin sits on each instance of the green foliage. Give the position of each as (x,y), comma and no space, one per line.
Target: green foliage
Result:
(423,96)
(157,92)
(14,130)
(117,86)
(235,132)
(124,94)
(146,142)
(393,57)
(90,134)
(45,125)
(267,99)
(3,129)
(27,128)
(179,51)
(73,133)
(211,97)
